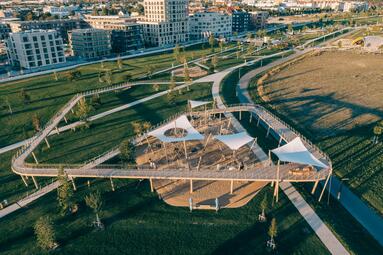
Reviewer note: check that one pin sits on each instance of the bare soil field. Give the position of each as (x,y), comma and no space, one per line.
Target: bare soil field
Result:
(335,99)
(330,93)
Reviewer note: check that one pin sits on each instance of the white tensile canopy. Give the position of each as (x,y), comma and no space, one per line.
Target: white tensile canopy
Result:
(296,152)
(181,122)
(235,141)
(194,104)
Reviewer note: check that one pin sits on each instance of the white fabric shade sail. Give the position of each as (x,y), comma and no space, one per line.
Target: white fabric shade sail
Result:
(181,122)
(235,141)
(296,152)
(194,104)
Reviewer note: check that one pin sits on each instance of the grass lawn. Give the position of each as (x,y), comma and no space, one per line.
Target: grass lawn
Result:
(345,227)
(108,132)
(48,95)
(137,222)
(327,105)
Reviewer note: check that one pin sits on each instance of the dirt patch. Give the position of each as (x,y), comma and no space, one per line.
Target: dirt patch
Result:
(177,193)
(194,72)
(329,93)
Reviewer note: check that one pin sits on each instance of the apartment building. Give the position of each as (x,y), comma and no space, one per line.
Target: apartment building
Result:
(203,24)
(4,31)
(101,22)
(166,22)
(62,26)
(126,33)
(241,21)
(35,48)
(126,37)
(259,19)
(90,43)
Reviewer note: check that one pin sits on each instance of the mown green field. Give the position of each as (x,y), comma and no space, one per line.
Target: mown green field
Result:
(353,236)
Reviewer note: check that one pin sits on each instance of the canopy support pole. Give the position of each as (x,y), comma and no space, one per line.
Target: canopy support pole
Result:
(259,118)
(240,115)
(252,145)
(268,131)
(324,187)
(280,141)
(35,182)
(231,186)
(270,157)
(228,124)
(276,191)
(147,140)
(166,152)
(205,114)
(66,121)
(314,188)
(251,117)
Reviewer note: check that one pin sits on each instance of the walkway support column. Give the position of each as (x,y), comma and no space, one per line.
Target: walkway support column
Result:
(324,187)
(24,180)
(46,141)
(34,157)
(74,184)
(231,186)
(314,188)
(35,182)
(151,185)
(112,184)
(191,186)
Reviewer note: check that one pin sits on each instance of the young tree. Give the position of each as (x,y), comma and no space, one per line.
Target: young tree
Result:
(273,232)
(55,76)
(45,234)
(378,130)
(261,33)
(137,127)
(64,192)
(128,77)
(108,77)
(171,98)
(211,42)
(96,101)
(249,35)
(238,54)
(146,125)
(83,111)
(128,152)
(262,216)
(172,85)
(25,97)
(36,120)
(221,44)
(4,103)
(119,63)
(214,61)
(93,200)
(290,28)
(156,87)
(176,53)
(187,78)
(149,70)
(340,44)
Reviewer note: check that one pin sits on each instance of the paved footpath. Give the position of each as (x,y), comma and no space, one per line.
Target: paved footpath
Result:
(319,227)
(365,215)
(29,199)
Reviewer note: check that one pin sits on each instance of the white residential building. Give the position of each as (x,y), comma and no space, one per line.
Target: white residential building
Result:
(203,24)
(60,11)
(166,22)
(35,48)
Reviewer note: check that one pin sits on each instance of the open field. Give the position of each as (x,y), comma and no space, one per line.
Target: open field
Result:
(347,229)
(137,222)
(47,95)
(334,99)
